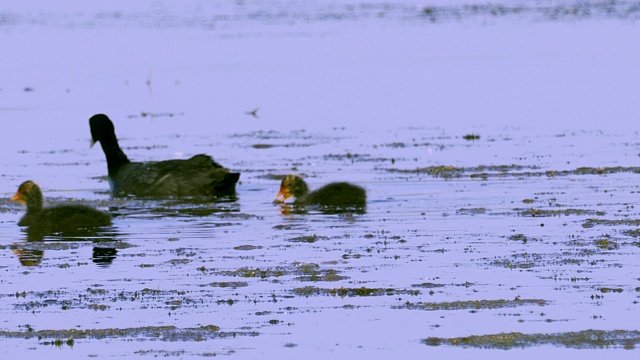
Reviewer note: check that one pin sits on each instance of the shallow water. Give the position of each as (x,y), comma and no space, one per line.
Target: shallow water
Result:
(531,228)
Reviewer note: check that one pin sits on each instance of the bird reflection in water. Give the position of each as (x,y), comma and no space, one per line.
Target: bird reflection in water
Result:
(104,256)
(30,252)
(29,257)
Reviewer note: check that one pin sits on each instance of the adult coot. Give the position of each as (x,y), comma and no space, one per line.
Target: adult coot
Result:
(199,175)
(61,218)
(337,194)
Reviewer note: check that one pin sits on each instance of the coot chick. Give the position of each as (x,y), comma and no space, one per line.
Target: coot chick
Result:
(197,176)
(61,218)
(337,194)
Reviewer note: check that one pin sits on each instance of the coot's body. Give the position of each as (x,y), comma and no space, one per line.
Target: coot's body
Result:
(197,176)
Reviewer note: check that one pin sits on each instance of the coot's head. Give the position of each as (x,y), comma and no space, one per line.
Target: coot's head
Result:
(101,129)
(292,186)
(30,194)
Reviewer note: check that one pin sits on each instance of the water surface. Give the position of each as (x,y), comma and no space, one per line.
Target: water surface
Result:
(530,228)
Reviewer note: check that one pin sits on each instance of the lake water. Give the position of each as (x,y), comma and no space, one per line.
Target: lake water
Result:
(498,146)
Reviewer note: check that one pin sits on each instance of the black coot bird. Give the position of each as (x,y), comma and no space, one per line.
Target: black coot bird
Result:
(337,194)
(61,218)
(197,176)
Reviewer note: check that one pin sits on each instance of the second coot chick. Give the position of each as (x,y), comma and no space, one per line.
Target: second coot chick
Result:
(337,194)
(61,218)
(197,176)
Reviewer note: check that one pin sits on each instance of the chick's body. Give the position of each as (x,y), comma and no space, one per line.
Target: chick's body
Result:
(337,194)
(56,218)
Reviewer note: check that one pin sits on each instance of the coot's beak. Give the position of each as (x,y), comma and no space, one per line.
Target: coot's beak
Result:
(284,194)
(18,197)
(93,142)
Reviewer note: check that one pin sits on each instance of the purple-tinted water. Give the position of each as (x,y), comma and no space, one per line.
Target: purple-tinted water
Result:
(364,92)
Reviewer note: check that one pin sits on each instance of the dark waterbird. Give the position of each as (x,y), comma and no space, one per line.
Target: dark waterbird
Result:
(197,176)
(337,194)
(61,218)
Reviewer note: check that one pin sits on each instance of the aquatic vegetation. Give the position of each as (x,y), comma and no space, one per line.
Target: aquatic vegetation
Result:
(247,247)
(607,244)
(322,275)
(164,333)
(471,304)
(595,171)
(587,339)
(299,271)
(589,223)
(262,146)
(353,158)
(448,172)
(313,273)
(473,211)
(633,233)
(520,237)
(428,285)
(485,172)
(308,238)
(579,256)
(228,284)
(552,11)
(257,273)
(351,292)
(557,212)
(605,290)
